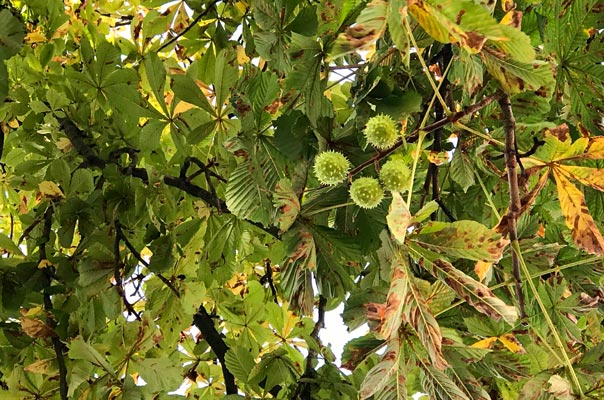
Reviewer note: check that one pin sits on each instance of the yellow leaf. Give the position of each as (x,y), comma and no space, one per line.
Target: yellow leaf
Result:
(35,37)
(44,264)
(485,343)
(482,268)
(50,190)
(398,217)
(31,312)
(592,177)
(41,367)
(64,144)
(512,344)
(36,328)
(572,202)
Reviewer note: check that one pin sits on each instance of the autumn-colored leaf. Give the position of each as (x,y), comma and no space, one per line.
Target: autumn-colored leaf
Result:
(369,26)
(286,200)
(473,292)
(36,328)
(577,217)
(378,377)
(398,217)
(593,177)
(482,268)
(486,343)
(512,344)
(465,239)
(50,190)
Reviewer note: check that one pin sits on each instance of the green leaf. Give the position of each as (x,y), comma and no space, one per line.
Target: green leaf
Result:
(12,33)
(185,88)
(225,76)
(163,258)
(7,244)
(240,363)
(156,77)
(439,385)
(161,374)
(80,350)
(462,170)
(398,217)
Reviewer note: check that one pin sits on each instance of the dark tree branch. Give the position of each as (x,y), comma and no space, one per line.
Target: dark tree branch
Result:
(413,136)
(209,7)
(204,323)
(76,136)
(268,278)
(136,254)
(511,153)
(56,342)
(117,272)
(304,388)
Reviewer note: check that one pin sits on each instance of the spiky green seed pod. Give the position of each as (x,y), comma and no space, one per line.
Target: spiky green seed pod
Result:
(381,131)
(395,175)
(331,167)
(366,192)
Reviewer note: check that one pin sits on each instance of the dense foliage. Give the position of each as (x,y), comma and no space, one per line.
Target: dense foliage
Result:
(163,221)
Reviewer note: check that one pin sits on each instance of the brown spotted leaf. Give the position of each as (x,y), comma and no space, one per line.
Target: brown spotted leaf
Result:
(296,277)
(286,200)
(473,292)
(418,315)
(593,177)
(388,374)
(461,239)
(576,215)
(391,313)
(369,27)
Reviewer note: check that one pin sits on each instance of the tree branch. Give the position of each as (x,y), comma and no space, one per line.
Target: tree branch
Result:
(204,323)
(76,136)
(511,153)
(117,272)
(303,390)
(412,137)
(56,342)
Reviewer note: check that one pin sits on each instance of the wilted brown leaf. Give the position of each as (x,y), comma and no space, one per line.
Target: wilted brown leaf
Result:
(36,328)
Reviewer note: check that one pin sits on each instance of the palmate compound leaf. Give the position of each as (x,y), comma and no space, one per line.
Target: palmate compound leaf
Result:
(387,375)
(461,239)
(576,215)
(473,292)
(405,303)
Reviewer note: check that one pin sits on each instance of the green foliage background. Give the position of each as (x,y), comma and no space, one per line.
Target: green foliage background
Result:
(157,176)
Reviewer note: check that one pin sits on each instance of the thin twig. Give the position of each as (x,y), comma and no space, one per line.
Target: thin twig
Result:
(117,273)
(510,153)
(413,136)
(191,25)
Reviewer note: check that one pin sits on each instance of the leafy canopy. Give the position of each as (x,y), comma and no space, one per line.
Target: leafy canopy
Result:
(162,222)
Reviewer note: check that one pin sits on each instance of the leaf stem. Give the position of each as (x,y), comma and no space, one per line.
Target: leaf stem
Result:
(548,319)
